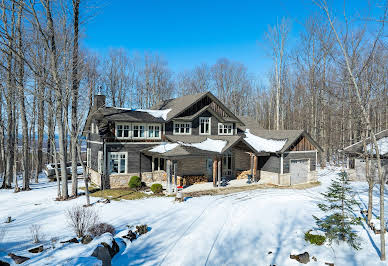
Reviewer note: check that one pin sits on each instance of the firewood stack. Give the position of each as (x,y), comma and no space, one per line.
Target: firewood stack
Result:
(191,180)
(243,174)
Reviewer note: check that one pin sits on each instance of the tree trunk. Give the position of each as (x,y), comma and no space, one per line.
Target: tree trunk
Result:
(74,102)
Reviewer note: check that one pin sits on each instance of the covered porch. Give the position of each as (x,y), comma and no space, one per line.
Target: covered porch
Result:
(211,161)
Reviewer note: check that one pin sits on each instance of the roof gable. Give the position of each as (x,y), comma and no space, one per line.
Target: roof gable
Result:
(180,107)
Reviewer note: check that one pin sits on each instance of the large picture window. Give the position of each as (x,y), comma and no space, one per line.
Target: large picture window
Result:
(182,128)
(225,129)
(117,162)
(204,125)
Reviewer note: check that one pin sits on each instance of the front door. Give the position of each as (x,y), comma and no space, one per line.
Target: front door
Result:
(227,165)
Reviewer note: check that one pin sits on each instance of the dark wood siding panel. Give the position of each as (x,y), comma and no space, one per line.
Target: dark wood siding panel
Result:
(169,127)
(302,144)
(94,149)
(213,124)
(133,151)
(299,155)
(269,163)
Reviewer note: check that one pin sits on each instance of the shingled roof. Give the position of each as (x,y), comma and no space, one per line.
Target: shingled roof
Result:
(290,135)
(178,105)
(357,148)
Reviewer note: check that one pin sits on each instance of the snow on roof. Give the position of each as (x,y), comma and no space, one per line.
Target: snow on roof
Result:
(263,145)
(208,145)
(164,147)
(382,144)
(156,113)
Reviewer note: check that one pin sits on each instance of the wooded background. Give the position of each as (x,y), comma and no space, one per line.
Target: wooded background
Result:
(48,80)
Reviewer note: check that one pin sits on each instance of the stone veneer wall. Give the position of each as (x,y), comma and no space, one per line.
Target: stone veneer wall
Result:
(121,180)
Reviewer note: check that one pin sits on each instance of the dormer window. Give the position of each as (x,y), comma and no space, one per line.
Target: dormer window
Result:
(225,129)
(154,131)
(123,130)
(138,131)
(204,125)
(182,128)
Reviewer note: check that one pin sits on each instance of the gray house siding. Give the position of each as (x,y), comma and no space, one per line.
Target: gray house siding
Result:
(269,163)
(133,152)
(299,155)
(94,148)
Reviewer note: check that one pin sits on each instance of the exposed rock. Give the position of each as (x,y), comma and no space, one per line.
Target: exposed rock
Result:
(3,263)
(130,235)
(105,252)
(73,240)
(302,258)
(329,263)
(314,258)
(141,229)
(102,253)
(86,239)
(113,250)
(36,250)
(269,252)
(18,259)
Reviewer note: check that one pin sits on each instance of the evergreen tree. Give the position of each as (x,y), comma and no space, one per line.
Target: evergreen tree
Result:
(338,222)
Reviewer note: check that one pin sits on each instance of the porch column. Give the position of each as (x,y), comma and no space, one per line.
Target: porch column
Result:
(215,164)
(175,177)
(254,167)
(251,159)
(219,171)
(169,176)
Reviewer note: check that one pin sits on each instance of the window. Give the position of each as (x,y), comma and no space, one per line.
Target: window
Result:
(100,161)
(225,129)
(117,162)
(88,157)
(182,128)
(204,125)
(123,130)
(138,131)
(154,131)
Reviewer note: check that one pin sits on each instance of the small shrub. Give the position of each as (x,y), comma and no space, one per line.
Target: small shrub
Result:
(141,229)
(36,234)
(156,188)
(314,239)
(80,219)
(53,241)
(101,228)
(135,182)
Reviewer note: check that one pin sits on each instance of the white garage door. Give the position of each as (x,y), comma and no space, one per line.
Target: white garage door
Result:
(299,170)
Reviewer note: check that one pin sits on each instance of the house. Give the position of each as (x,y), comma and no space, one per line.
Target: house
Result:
(192,138)
(356,159)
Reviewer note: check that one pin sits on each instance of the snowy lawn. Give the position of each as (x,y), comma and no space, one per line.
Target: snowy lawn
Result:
(234,229)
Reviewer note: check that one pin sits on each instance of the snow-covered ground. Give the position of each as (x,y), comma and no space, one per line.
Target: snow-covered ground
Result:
(235,229)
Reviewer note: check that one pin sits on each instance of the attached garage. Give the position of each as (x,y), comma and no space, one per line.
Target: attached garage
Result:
(299,170)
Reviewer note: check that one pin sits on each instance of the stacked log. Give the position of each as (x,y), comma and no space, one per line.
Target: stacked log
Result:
(191,180)
(243,174)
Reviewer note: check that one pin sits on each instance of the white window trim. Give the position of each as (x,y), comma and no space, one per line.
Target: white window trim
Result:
(124,124)
(145,130)
(92,128)
(210,126)
(88,157)
(160,131)
(100,162)
(180,123)
(225,124)
(126,162)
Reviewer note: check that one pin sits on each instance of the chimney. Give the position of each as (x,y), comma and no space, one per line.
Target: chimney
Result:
(99,101)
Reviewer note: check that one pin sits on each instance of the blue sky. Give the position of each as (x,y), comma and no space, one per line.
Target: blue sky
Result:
(187,33)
